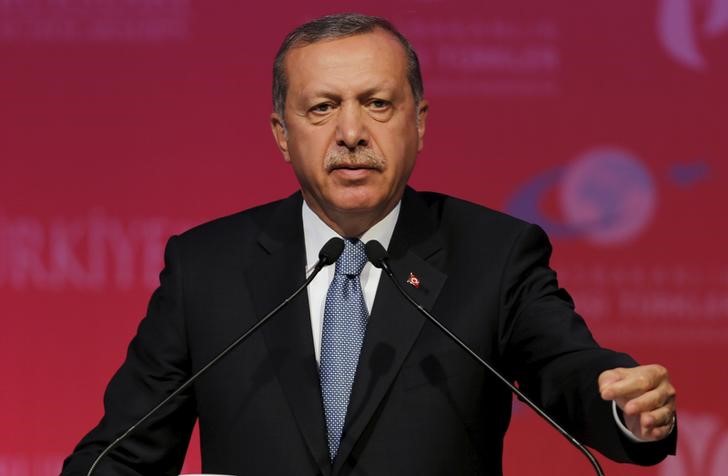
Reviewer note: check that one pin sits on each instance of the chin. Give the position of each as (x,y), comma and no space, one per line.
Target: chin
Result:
(358,201)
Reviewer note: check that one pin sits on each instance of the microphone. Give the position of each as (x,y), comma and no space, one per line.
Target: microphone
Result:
(329,253)
(377,255)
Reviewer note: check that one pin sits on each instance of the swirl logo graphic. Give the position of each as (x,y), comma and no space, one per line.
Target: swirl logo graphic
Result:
(606,196)
(679,31)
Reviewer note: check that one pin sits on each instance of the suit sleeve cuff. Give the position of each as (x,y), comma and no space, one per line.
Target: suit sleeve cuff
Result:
(628,434)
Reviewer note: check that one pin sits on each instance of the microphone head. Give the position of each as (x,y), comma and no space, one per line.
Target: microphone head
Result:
(331,251)
(376,254)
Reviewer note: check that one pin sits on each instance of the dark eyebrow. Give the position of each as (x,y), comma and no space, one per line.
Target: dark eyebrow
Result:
(366,94)
(375,91)
(325,94)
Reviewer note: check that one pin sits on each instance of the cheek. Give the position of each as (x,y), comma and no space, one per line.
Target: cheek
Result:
(399,131)
(310,144)
(399,148)
(306,154)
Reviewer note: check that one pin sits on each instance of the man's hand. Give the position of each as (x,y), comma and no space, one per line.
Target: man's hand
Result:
(645,396)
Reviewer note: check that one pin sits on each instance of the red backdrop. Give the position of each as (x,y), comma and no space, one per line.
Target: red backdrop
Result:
(123,121)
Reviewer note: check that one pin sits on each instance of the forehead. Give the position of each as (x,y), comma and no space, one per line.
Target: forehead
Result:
(353,60)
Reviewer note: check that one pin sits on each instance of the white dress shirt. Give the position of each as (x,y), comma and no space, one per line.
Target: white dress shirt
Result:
(316,233)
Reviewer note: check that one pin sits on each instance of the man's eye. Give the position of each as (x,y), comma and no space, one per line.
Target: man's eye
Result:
(378,104)
(322,108)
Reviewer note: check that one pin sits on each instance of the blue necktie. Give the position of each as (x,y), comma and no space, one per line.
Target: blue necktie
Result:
(345,322)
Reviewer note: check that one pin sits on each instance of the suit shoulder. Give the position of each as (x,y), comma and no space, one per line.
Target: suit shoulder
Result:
(458,213)
(236,228)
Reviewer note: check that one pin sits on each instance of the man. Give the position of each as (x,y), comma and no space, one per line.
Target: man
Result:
(351,381)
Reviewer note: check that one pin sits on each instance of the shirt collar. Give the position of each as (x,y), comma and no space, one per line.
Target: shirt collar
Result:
(316,233)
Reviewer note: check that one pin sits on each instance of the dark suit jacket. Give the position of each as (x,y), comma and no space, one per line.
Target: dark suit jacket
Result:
(419,404)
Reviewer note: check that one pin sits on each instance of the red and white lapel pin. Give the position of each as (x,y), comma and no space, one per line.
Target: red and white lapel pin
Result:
(413,280)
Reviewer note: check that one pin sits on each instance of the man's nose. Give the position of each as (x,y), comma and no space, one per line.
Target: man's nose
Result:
(351,128)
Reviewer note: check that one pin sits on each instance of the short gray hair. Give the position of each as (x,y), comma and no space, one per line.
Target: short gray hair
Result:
(331,27)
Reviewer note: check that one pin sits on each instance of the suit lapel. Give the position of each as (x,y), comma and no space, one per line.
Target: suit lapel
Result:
(394,324)
(279,269)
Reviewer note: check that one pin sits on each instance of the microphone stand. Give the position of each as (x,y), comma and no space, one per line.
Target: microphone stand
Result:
(329,254)
(378,257)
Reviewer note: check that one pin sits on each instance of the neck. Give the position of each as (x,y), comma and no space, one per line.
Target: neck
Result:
(350,224)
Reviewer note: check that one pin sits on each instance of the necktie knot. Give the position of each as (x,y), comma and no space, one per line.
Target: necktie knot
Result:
(353,258)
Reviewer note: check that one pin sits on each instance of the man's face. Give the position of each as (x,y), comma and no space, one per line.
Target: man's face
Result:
(352,129)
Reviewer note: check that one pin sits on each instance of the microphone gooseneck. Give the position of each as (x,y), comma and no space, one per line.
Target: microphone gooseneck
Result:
(329,253)
(377,255)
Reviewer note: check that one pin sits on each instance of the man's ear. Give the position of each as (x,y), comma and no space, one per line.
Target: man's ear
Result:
(280,134)
(422,109)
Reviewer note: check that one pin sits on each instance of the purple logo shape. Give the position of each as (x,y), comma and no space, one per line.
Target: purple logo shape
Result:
(606,196)
(690,173)
(679,34)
